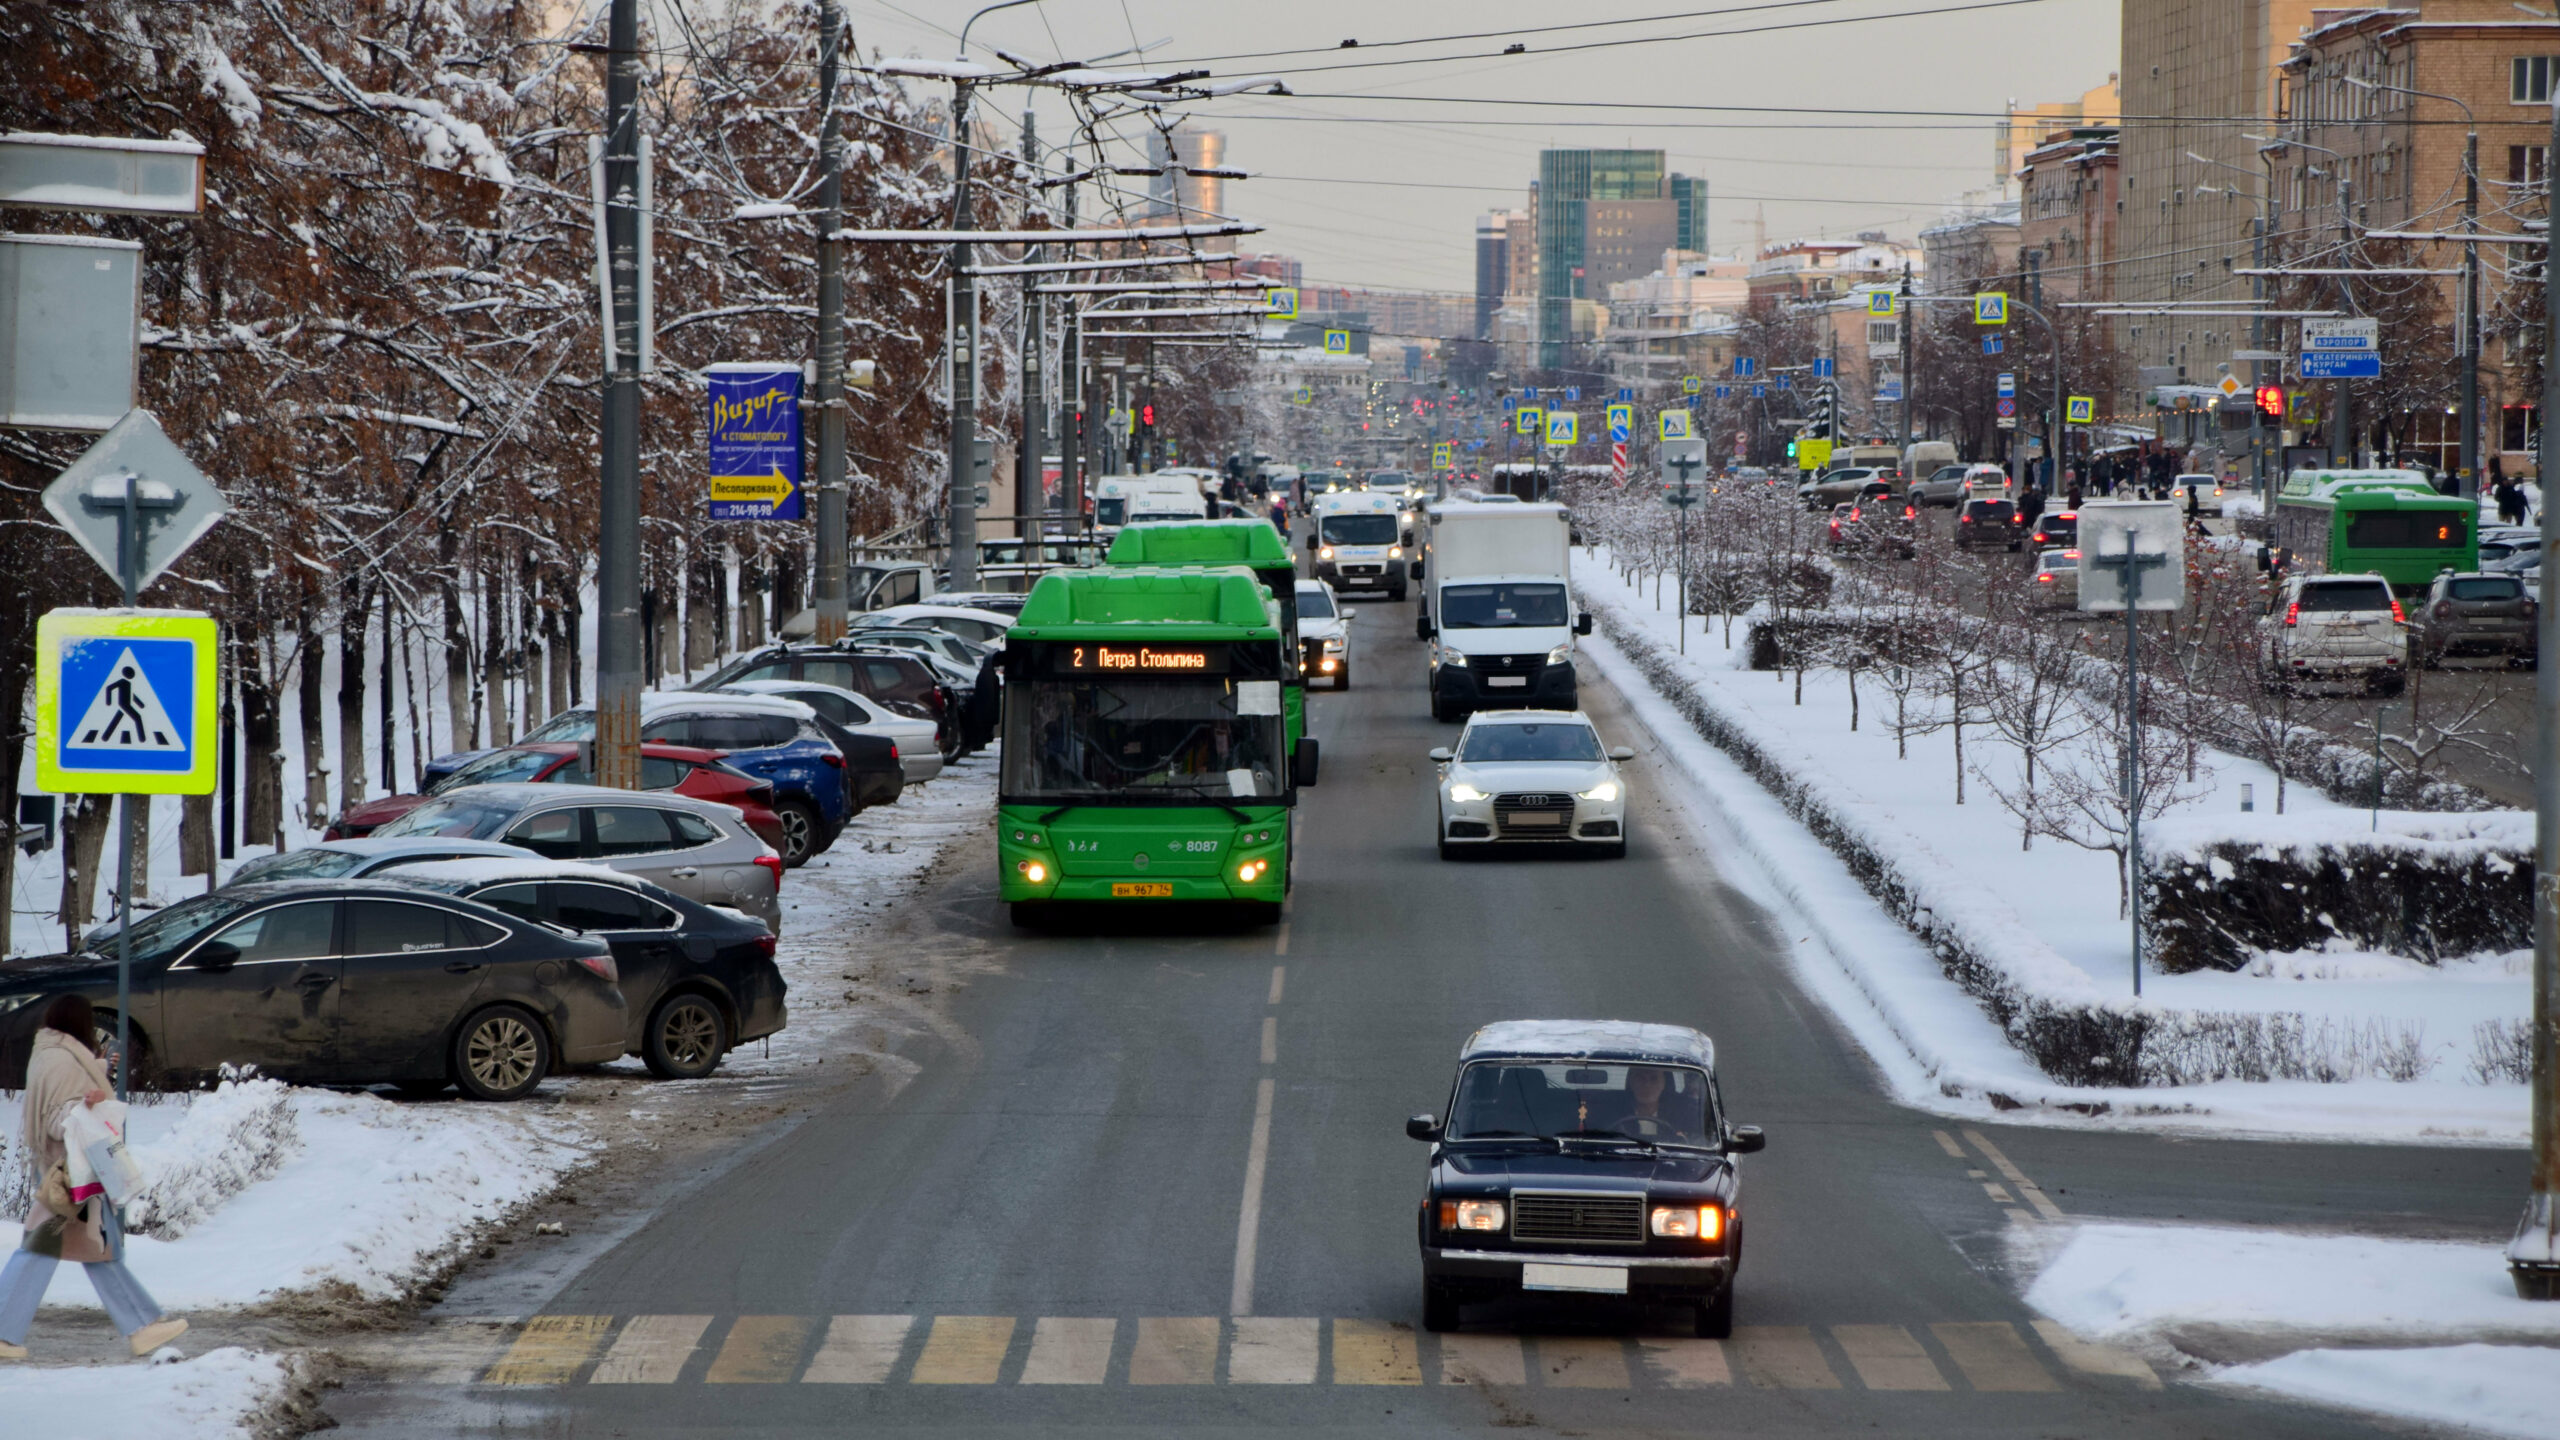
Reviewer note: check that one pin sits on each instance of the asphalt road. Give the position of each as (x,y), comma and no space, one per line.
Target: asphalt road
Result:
(1155,1183)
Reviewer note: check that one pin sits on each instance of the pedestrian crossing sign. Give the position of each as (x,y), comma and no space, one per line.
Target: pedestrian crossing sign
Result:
(1563,428)
(1675,425)
(1692,384)
(124,702)
(1337,342)
(1442,456)
(1527,420)
(1622,423)
(2079,409)
(1880,304)
(1991,307)
(1280,302)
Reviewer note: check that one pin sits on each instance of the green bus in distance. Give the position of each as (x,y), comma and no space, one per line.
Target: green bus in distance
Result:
(1217,544)
(2390,523)
(1145,752)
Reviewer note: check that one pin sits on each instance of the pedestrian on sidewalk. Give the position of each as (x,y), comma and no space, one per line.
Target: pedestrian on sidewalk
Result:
(62,1072)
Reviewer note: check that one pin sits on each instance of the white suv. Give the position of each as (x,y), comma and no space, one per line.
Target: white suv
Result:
(2344,628)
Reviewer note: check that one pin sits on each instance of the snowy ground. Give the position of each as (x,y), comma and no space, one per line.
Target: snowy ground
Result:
(210,1397)
(2047,916)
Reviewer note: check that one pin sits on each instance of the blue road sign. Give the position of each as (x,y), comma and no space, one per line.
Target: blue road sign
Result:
(1821,367)
(1622,420)
(1786,382)
(1572,393)
(1745,366)
(2008,384)
(1724,392)
(1889,390)
(2341,365)
(755,442)
(1529,392)
(1626,392)
(124,702)
(1759,392)
(1990,344)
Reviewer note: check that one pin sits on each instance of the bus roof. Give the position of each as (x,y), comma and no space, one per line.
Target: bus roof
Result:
(1225,604)
(1237,541)
(2329,484)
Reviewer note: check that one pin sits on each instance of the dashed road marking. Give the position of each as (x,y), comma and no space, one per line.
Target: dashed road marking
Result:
(2034,1193)
(651,1350)
(1069,1351)
(1948,1143)
(1279,978)
(1993,1355)
(1686,1364)
(551,1350)
(2093,1359)
(1888,1357)
(1583,1363)
(1482,1360)
(1784,1357)
(1274,1350)
(1374,1352)
(1270,1039)
(1175,1351)
(761,1350)
(860,1350)
(964,1350)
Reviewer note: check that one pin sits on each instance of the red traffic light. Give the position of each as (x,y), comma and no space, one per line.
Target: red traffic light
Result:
(2271,400)
(1147,416)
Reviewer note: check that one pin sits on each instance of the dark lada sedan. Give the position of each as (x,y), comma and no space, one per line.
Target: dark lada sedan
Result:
(1586,1157)
(341,982)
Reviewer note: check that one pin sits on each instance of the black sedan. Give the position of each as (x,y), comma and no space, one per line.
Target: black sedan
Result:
(339,982)
(698,980)
(1588,1157)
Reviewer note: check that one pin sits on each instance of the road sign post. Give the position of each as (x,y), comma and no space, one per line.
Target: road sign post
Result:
(2120,542)
(1682,461)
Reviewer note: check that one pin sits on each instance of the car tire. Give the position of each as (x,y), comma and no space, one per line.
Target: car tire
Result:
(686,1038)
(1715,1317)
(500,1053)
(1439,1309)
(1441,710)
(1397,594)
(801,831)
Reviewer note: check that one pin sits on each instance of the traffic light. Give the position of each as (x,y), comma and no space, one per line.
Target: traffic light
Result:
(2271,401)
(1147,415)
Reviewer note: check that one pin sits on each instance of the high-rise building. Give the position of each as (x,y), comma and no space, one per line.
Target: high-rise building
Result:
(1691,193)
(1599,217)
(1179,192)
(1493,267)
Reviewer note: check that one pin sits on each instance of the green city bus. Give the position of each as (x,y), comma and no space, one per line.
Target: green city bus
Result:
(1145,756)
(1217,544)
(2390,523)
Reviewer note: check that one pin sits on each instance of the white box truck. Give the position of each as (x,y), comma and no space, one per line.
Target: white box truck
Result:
(1497,608)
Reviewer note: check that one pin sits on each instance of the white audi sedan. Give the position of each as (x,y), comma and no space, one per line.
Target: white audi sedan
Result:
(1534,776)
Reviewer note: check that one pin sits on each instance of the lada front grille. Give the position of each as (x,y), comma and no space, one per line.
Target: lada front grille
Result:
(1577,1219)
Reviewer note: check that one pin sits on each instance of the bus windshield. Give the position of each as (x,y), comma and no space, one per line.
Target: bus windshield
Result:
(1154,740)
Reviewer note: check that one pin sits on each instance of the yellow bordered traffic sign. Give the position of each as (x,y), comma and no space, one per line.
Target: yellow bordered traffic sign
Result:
(1280,302)
(1337,342)
(2079,409)
(125,702)
(1442,457)
(1563,428)
(1880,303)
(1991,307)
(1692,384)
(1529,420)
(1673,425)
(1813,453)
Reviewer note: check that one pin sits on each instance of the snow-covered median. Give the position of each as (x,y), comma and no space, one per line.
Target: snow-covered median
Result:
(2498,1389)
(214,1396)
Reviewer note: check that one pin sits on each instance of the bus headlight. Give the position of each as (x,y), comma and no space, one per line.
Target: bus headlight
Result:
(1034,871)
(1252,870)
(1395,552)
(1325,554)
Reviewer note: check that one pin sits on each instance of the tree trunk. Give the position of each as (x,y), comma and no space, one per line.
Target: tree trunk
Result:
(353,619)
(701,610)
(262,733)
(315,748)
(383,703)
(85,822)
(1957,717)
(573,628)
(458,699)
(195,837)
(492,693)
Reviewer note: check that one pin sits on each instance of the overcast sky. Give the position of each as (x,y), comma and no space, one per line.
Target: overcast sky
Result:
(1368,190)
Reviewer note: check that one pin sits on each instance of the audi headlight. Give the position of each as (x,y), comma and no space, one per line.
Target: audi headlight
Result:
(1471,1215)
(1464,793)
(1333,642)
(1560,655)
(1605,791)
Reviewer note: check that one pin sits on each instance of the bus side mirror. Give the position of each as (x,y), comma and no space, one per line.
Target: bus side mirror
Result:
(1582,624)
(1302,765)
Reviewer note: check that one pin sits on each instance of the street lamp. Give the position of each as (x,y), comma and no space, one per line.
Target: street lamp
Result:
(2469,482)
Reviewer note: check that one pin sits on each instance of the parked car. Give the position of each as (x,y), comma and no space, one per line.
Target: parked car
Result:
(1847,482)
(680,768)
(697,980)
(339,860)
(1324,635)
(1989,525)
(911,741)
(904,683)
(2055,530)
(339,982)
(2477,614)
(1583,1157)
(1531,775)
(994,602)
(978,626)
(2342,628)
(780,742)
(699,850)
(2056,581)
(1943,487)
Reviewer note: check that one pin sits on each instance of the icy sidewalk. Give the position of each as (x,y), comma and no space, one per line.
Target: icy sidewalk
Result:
(2038,927)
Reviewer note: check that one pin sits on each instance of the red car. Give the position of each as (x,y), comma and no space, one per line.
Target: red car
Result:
(681,768)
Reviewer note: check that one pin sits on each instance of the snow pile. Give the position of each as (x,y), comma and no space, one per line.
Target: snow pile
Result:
(2499,1389)
(227,1140)
(211,1397)
(2136,1281)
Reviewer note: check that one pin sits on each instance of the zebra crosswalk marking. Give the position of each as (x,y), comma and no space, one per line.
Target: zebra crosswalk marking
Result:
(1888,1357)
(1783,1357)
(1175,1351)
(1373,1352)
(1993,1355)
(2092,1359)
(1067,1351)
(551,1349)
(1686,1364)
(761,1350)
(1482,1360)
(651,1350)
(964,1350)
(456,1352)
(859,1350)
(1273,1350)
(1582,1363)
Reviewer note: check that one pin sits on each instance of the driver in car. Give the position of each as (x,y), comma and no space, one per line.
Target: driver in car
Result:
(1645,1120)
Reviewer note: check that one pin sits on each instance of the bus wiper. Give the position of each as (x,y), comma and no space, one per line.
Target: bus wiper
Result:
(1054,814)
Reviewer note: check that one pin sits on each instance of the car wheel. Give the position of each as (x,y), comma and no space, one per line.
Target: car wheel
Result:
(686,1038)
(800,826)
(500,1054)
(1715,1318)
(1439,1309)
(1441,710)
(1397,594)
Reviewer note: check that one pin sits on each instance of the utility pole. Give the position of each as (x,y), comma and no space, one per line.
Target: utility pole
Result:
(2469,485)
(1035,406)
(1902,328)
(2342,430)
(832,603)
(963,539)
(618,678)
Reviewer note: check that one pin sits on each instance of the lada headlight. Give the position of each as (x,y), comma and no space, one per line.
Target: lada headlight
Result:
(1479,1215)
(1689,1222)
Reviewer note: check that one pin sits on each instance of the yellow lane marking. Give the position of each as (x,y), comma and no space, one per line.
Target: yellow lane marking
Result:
(1948,1143)
(859,1350)
(2034,1193)
(1374,1352)
(761,1350)
(2093,1359)
(1783,1357)
(964,1350)
(1482,1360)
(1175,1351)
(551,1350)
(1272,1350)
(1583,1364)
(1069,1351)
(651,1350)
(1888,1357)
(454,1353)
(1993,1355)
(1686,1364)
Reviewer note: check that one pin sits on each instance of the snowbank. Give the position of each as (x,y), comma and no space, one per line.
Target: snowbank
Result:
(211,1397)
(2500,1389)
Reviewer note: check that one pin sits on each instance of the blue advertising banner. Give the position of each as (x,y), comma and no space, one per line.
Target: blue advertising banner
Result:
(755,441)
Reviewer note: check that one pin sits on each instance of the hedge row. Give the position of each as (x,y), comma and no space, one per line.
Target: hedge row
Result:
(2211,904)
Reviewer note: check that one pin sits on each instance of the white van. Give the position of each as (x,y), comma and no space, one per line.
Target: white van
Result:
(1358,540)
(1127,499)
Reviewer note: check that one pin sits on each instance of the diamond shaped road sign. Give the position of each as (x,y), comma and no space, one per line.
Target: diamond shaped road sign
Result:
(178,504)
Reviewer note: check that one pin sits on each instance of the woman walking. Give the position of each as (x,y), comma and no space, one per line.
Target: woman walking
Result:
(62,1073)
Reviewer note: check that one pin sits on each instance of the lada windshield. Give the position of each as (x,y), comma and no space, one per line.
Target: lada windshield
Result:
(1173,740)
(1496,607)
(1371,529)
(1580,1100)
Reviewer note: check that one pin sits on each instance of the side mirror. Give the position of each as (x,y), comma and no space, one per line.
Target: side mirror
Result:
(1311,540)
(1302,766)
(1745,1140)
(216,956)
(1422,629)
(1422,1127)
(1622,752)
(1440,754)
(1582,623)
(1417,565)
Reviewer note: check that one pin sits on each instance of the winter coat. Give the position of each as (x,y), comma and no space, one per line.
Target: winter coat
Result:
(60,1073)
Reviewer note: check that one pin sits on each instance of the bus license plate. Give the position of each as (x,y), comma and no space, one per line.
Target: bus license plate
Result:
(1154,890)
